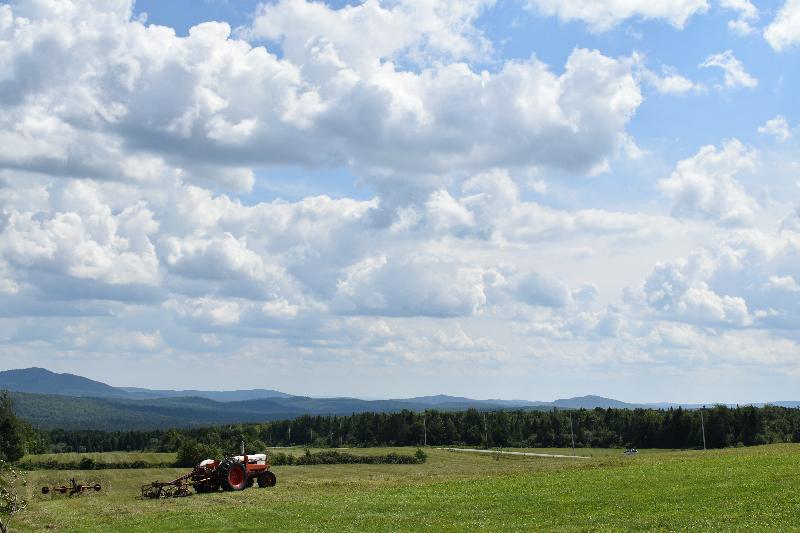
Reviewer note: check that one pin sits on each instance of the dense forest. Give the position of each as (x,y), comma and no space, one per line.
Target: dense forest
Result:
(642,428)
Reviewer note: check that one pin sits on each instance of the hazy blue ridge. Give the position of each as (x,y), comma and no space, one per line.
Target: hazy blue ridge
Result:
(65,401)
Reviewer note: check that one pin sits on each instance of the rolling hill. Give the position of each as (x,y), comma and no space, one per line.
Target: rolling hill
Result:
(49,411)
(43,381)
(65,401)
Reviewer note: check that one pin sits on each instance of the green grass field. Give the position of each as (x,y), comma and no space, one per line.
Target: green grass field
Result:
(107,457)
(755,489)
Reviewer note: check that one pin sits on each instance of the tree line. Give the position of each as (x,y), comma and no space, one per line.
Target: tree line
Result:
(598,428)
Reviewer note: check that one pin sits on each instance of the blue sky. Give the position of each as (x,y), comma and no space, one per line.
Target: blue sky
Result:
(514,199)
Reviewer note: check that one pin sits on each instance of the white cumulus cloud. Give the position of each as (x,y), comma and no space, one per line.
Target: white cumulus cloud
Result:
(602,16)
(748,15)
(733,69)
(416,285)
(777,127)
(669,81)
(703,186)
(386,89)
(784,31)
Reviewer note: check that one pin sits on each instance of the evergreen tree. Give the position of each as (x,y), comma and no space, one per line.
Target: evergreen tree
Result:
(12,431)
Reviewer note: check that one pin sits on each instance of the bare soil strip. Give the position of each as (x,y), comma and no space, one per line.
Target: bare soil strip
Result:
(527,454)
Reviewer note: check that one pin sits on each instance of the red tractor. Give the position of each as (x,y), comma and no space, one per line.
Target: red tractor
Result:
(232,473)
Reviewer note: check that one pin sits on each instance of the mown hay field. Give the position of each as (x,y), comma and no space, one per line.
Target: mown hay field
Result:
(106,457)
(755,489)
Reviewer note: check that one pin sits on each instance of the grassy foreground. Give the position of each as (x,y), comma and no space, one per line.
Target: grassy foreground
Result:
(735,489)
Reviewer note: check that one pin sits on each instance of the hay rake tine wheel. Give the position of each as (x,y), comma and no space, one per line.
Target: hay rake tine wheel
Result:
(170,489)
(73,489)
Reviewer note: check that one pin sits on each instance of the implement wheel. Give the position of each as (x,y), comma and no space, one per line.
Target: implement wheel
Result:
(267,479)
(205,486)
(204,480)
(232,475)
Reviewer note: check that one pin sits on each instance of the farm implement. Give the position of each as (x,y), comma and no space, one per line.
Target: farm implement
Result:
(232,473)
(73,489)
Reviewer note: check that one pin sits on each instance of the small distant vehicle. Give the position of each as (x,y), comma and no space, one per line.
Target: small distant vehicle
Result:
(73,489)
(231,473)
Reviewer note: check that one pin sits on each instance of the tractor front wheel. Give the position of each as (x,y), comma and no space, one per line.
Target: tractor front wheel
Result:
(267,479)
(232,475)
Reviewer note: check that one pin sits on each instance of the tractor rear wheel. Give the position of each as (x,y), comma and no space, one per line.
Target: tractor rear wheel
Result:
(232,475)
(267,479)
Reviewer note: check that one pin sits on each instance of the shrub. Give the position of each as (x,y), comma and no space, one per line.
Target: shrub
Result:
(280,459)
(11,502)
(332,457)
(192,452)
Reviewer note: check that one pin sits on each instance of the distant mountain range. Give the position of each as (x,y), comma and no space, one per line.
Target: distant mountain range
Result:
(43,381)
(65,401)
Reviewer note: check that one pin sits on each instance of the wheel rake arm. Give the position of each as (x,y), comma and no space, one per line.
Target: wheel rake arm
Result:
(177,488)
(167,489)
(73,489)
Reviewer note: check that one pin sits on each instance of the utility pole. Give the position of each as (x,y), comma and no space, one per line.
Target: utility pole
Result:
(703,427)
(571,434)
(312,436)
(290,434)
(424,429)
